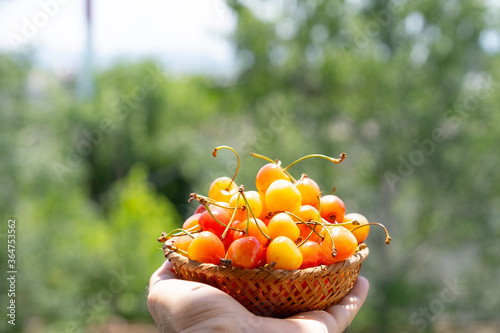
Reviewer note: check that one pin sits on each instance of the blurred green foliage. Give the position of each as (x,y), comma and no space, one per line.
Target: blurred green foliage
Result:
(402,87)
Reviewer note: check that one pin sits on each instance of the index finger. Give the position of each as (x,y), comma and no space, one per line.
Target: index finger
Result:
(165,272)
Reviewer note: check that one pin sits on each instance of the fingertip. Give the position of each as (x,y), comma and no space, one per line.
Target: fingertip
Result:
(364,281)
(361,288)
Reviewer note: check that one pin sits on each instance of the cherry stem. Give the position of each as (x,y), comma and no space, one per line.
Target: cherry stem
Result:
(319,205)
(194,229)
(302,177)
(176,249)
(301,221)
(202,199)
(263,157)
(331,159)
(174,233)
(354,222)
(162,238)
(305,239)
(217,220)
(387,237)
(289,176)
(313,230)
(223,236)
(249,210)
(278,162)
(214,153)
(334,250)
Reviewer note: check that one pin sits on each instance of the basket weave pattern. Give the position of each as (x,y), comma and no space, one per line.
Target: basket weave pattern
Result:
(276,292)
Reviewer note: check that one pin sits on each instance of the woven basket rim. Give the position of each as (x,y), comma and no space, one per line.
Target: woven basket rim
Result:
(321,270)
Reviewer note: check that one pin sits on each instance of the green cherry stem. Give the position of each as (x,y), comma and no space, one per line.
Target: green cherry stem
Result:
(331,159)
(354,222)
(174,233)
(241,191)
(223,236)
(301,221)
(289,176)
(182,251)
(292,215)
(319,205)
(387,237)
(334,250)
(263,157)
(250,211)
(217,220)
(315,223)
(193,229)
(313,230)
(206,200)
(214,153)
(278,162)
(201,199)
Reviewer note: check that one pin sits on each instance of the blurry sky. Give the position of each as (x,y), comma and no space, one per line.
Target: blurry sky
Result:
(186,35)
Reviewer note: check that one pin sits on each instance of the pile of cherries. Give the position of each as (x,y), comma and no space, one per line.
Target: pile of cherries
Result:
(284,224)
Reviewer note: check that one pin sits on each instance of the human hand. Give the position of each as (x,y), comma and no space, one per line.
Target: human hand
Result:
(177,305)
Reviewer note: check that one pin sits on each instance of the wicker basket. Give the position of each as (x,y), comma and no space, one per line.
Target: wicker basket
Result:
(276,292)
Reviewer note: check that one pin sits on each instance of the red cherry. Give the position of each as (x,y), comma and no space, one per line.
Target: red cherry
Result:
(200,209)
(208,223)
(245,252)
(311,253)
(256,228)
(231,236)
(263,260)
